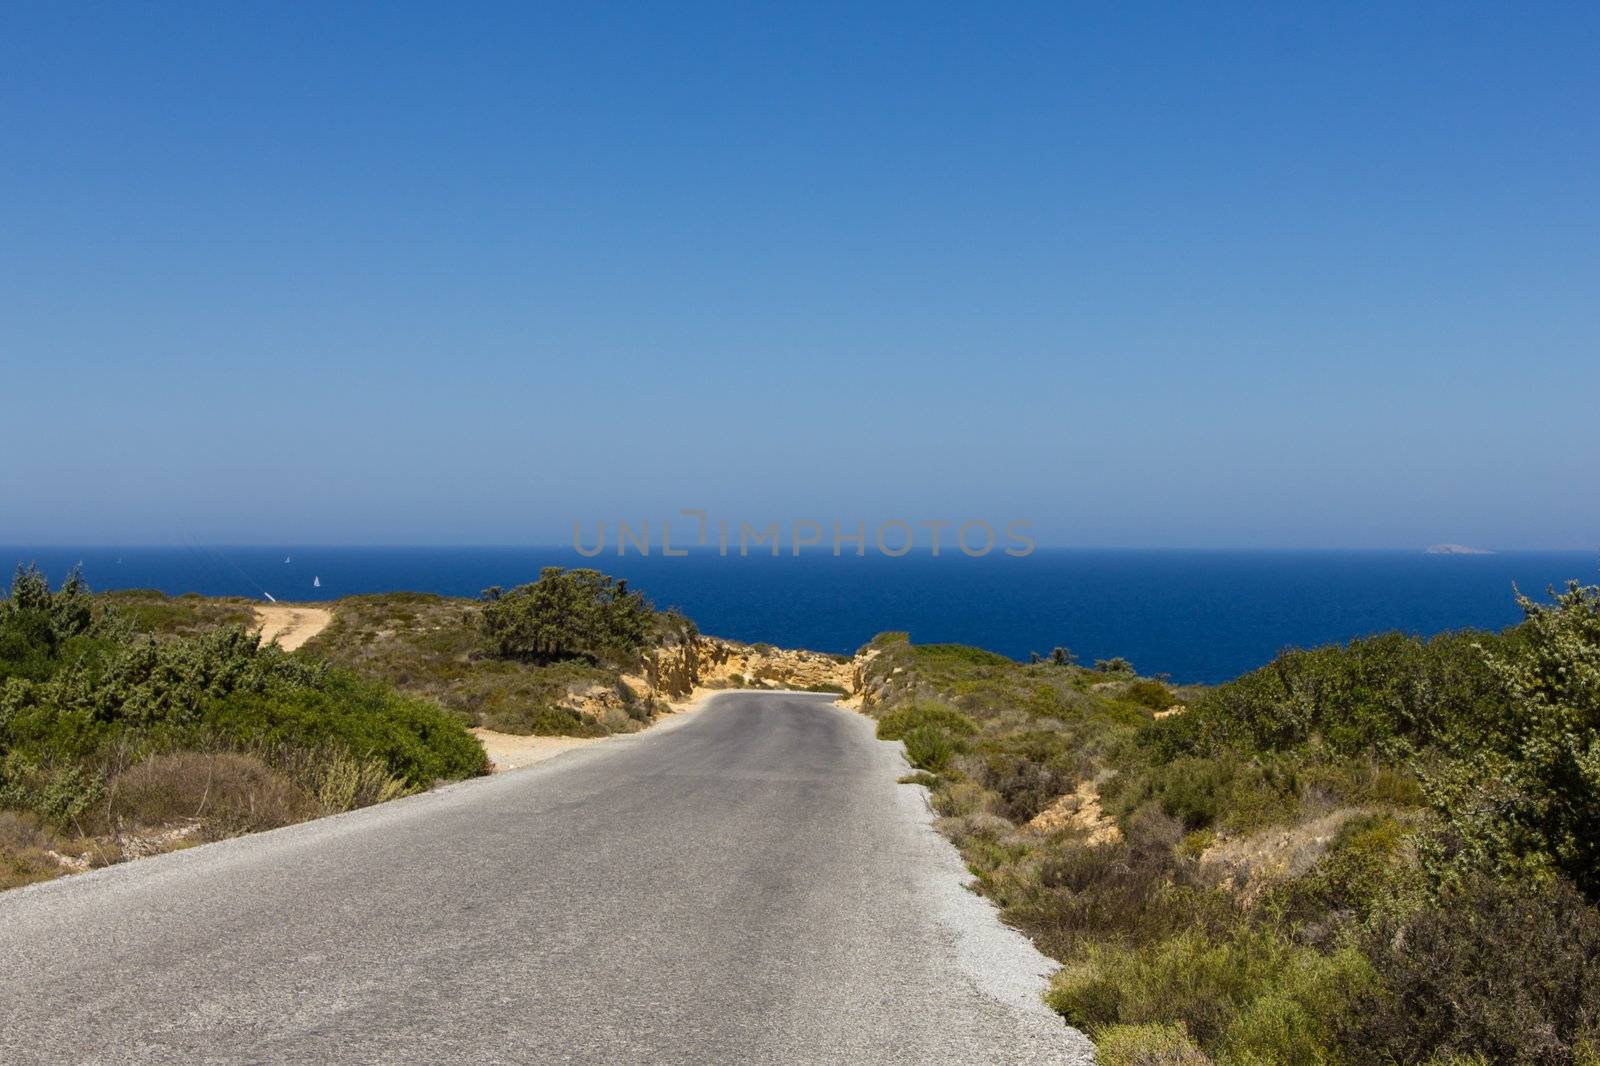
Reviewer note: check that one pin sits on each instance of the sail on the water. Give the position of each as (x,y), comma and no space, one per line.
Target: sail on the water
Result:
(316,582)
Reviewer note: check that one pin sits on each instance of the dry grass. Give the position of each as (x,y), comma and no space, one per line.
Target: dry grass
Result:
(345,783)
(25,846)
(225,792)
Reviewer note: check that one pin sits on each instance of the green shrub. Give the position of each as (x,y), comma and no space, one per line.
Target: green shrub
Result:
(1224,791)
(1254,994)
(569,614)
(1194,790)
(1368,871)
(1390,691)
(1302,1013)
(929,748)
(955,656)
(1147,1045)
(1068,894)
(61,790)
(897,723)
(1151,694)
(1528,800)
(419,743)
(154,612)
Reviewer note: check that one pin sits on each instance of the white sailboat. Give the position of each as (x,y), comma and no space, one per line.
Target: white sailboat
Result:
(286,559)
(316,582)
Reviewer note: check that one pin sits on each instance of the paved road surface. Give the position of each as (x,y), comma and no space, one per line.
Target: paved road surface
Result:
(743,885)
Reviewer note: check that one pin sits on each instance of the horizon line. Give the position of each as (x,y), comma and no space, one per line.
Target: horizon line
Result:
(704,550)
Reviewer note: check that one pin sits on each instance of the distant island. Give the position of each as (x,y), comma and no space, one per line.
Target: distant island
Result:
(1456,549)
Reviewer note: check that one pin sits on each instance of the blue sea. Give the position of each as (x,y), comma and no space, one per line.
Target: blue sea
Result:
(1200,616)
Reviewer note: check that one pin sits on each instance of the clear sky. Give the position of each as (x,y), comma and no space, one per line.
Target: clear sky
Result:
(1189,275)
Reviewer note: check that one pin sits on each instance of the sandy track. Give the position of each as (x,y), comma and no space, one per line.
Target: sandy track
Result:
(291,626)
(513,751)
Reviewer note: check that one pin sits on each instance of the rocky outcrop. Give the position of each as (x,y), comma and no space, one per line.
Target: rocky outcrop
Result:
(1080,810)
(604,704)
(1248,866)
(711,662)
(863,682)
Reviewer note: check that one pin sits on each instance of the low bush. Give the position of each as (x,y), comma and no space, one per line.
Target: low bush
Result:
(1492,968)
(936,656)
(1223,791)
(153,612)
(563,722)
(1151,694)
(929,748)
(957,798)
(1068,894)
(417,741)
(1030,769)
(897,723)
(1147,1045)
(438,649)
(1369,870)
(1253,995)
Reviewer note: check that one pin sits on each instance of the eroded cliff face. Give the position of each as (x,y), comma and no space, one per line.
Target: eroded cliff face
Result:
(711,662)
(605,705)
(864,681)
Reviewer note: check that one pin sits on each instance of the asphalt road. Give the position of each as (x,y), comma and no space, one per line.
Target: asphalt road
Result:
(746,884)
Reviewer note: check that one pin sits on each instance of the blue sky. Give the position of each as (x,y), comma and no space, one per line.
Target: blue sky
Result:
(1194,275)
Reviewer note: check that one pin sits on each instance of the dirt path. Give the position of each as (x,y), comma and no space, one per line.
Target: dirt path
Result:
(513,751)
(291,626)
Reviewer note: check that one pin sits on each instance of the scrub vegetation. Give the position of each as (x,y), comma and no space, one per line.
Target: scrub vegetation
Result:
(1379,852)
(134,723)
(548,657)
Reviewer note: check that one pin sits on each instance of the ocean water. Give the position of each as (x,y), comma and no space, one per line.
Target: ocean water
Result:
(1200,616)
